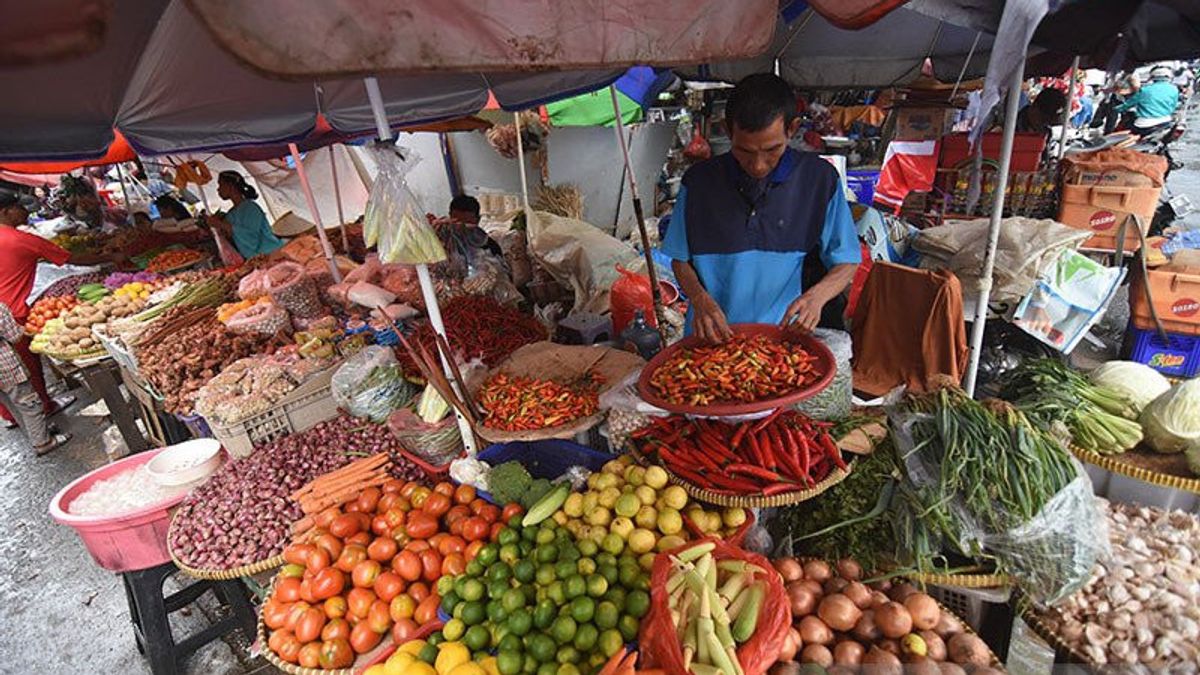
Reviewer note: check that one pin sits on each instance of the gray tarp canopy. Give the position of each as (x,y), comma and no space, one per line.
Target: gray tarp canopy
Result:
(158,75)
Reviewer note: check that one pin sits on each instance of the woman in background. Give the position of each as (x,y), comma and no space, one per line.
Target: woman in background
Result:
(245,224)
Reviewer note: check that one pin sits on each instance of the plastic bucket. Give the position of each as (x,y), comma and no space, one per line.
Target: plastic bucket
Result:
(133,540)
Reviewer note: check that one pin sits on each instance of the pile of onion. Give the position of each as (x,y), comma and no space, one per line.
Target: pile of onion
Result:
(846,626)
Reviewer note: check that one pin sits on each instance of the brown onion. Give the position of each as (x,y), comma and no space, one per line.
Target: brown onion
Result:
(889,645)
(848,568)
(948,625)
(789,569)
(814,586)
(893,620)
(835,585)
(785,668)
(791,645)
(879,598)
(858,593)
(848,653)
(817,570)
(801,598)
(901,591)
(921,665)
(880,662)
(838,612)
(813,631)
(924,611)
(967,649)
(818,654)
(865,629)
(935,647)
(950,668)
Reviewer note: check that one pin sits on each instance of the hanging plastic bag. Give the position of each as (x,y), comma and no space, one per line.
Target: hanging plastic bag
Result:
(370,384)
(630,292)
(394,221)
(229,255)
(698,148)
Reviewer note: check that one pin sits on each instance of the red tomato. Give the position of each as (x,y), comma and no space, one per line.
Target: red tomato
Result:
(287,590)
(383,549)
(388,585)
(451,544)
(452,565)
(418,591)
(404,630)
(351,555)
(365,573)
(420,525)
(475,529)
(330,544)
(363,639)
(289,649)
(359,602)
(427,610)
(431,565)
(378,618)
(297,553)
(310,655)
(408,565)
(444,488)
(494,534)
(436,505)
(350,506)
(476,505)
(277,639)
(490,513)
(417,545)
(275,613)
(394,517)
(512,509)
(295,613)
(402,607)
(393,486)
(328,583)
(324,518)
(336,653)
(344,525)
(418,496)
(364,521)
(401,536)
(335,607)
(308,628)
(361,538)
(335,629)
(368,499)
(472,550)
(436,540)
(306,592)
(380,526)
(388,502)
(464,494)
(318,560)
(457,512)
(408,489)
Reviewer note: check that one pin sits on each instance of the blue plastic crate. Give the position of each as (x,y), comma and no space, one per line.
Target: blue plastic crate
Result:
(544,459)
(1178,356)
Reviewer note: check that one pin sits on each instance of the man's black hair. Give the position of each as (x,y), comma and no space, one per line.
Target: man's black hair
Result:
(757,101)
(1050,101)
(465,203)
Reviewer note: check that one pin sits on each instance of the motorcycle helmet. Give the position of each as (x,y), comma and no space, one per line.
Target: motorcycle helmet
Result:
(1161,73)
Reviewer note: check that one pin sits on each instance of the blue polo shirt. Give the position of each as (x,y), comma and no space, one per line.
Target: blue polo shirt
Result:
(748,239)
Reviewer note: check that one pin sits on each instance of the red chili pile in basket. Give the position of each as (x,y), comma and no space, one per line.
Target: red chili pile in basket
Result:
(783,452)
(478,326)
(525,403)
(742,368)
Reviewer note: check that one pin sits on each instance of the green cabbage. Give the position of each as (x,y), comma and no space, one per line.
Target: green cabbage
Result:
(1137,383)
(1171,423)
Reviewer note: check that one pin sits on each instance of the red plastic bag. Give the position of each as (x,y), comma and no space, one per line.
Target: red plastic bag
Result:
(629,293)
(657,639)
(698,148)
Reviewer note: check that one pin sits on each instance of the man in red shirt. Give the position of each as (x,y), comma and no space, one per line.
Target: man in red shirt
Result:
(20,253)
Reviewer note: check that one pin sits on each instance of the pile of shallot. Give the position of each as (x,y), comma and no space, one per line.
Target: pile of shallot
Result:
(243,513)
(844,625)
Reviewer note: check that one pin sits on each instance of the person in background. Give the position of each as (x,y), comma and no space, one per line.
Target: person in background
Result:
(763,233)
(20,253)
(169,207)
(18,393)
(464,210)
(1044,112)
(245,224)
(1154,103)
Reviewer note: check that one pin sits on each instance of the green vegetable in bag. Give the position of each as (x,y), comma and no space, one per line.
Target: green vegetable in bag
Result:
(1171,423)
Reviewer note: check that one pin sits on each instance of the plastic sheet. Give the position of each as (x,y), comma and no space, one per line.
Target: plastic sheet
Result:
(836,400)
(370,384)
(394,219)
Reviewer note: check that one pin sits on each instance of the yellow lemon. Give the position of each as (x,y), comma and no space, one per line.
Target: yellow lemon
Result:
(420,668)
(451,655)
(397,663)
(469,668)
(377,669)
(490,666)
(656,477)
(413,647)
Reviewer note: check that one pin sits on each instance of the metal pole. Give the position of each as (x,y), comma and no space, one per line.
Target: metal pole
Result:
(427,289)
(521,165)
(989,260)
(306,187)
(337,197)
(655,291)
(124,194)
(1066,116)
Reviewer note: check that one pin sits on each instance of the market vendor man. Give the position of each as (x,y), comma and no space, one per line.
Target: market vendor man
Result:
(747,223)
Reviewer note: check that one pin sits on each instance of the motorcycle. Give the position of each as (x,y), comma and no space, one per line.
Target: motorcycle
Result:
(1157,140)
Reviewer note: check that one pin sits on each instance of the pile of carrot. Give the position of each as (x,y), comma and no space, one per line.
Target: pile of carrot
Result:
(338,486)
(783,452)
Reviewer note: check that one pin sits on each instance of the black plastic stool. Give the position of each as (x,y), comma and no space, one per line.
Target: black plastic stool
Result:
(150,612)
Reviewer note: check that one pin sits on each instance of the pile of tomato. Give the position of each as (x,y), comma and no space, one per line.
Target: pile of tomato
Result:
(47,308)
(370,567)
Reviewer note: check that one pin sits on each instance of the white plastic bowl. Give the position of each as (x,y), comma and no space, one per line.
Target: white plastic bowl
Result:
(187,462)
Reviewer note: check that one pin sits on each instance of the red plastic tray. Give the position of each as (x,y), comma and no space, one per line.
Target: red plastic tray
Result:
(825,364)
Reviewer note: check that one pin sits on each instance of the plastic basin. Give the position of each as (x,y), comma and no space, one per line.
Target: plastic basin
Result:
(547,459)
(133,540)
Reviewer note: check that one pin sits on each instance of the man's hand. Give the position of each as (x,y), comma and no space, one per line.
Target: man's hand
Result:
(708,320)
(804,313)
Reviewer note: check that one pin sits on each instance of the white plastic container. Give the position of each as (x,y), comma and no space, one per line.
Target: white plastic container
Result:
(186,463)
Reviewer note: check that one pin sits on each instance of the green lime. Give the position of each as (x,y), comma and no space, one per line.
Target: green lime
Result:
(475,567)
(509,643)
(563,629)
(507,536)
(544,613)
(498,634)
(568,552)
(628,574)
(597,585)
(606,615)
(546,553)
(488,554)
(436,639)
(509,554)
(446,584)
(575,586)
(609,572)
(637,603)
(610,642)
(530,666)
(496,612)
(545,575)
(473,613)
(604,558)
(428,654)
(616,595)
(519,622)
(596,660)
(458,610)
(526,548)
(542,647)
(529,533)
(499,571)
(588,548)
(585,638)
(524,571)
(548,669)
(515,522)
(585,566)
(454,629)
(449,601)
(477,638)
(497,589)
(557,592)
(566,655)
(567,669)
(628,627)
(564,569)
(512,600)
(509,662)
(583,609)
(472,590)
(544,535)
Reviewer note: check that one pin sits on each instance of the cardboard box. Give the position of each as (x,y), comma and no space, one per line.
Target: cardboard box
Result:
(923,123)
(1176,298)
(1114,168)
(1102,209)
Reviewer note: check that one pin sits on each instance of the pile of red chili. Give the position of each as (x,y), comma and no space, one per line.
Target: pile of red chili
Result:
(783,452)
(478,327)
(745,369)
(526,403)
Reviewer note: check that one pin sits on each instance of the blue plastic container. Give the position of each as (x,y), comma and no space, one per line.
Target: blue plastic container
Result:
(1178,356)
(544,459)
(862,184)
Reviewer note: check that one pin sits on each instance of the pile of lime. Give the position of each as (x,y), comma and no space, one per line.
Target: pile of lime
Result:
(543,603)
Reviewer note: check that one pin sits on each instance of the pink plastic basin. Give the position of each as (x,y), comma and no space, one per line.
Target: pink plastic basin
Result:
(134,540)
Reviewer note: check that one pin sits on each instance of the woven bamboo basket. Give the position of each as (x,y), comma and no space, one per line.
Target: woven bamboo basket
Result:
(1063,652)
(971,580)
(222,575)
(1114,464)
